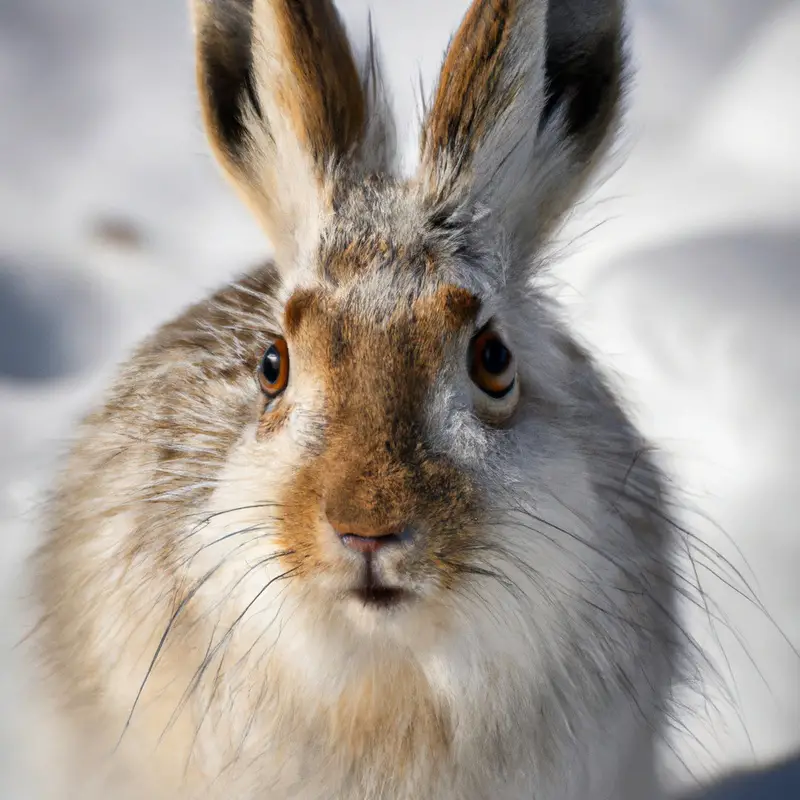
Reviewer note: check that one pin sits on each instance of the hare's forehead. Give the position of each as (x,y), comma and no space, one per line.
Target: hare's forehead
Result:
(382,263)
(382,239)
(367,317)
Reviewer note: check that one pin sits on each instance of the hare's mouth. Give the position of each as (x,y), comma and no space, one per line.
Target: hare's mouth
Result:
(373,592)
(378,596)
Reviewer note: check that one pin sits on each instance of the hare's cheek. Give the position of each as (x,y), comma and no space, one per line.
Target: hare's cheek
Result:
(557,529)
(242,520)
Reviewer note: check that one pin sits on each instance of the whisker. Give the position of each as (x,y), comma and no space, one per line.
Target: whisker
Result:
(176,614)
(198,676)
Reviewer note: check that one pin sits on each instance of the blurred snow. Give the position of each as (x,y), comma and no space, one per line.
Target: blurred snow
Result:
(681,270)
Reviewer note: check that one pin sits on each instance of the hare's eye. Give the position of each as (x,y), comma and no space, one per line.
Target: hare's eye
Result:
(494,375)
(492,366)
(273,372)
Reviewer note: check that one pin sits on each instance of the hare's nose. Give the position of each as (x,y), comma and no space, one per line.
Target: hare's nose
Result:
(369,540)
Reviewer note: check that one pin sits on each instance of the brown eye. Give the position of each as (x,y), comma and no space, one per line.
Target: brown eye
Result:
(273,372)
(492,365)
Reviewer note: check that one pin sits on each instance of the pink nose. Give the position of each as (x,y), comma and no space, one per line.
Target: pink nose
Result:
(366,541)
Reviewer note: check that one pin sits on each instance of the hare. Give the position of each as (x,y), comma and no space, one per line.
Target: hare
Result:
(368,523)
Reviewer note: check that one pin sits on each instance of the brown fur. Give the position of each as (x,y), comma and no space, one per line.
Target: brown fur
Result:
(471,93)
(371,473)
(272,421)
(323,97)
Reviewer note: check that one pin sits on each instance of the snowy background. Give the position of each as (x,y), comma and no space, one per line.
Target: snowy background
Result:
(682,271)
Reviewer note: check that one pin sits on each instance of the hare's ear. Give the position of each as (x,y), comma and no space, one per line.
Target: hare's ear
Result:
(283,104)
(379,148)
(528,97)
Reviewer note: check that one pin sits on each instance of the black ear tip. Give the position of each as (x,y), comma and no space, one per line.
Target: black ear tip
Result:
(585,65)
(224,52)
(588,83)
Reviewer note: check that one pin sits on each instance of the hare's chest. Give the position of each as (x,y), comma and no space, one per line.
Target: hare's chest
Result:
(405,754)
(382,784)
(407,764)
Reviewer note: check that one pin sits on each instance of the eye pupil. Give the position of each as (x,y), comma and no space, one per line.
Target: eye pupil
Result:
(495,356)
(271,365)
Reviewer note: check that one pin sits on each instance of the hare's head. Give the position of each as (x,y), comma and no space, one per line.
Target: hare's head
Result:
(430,451)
